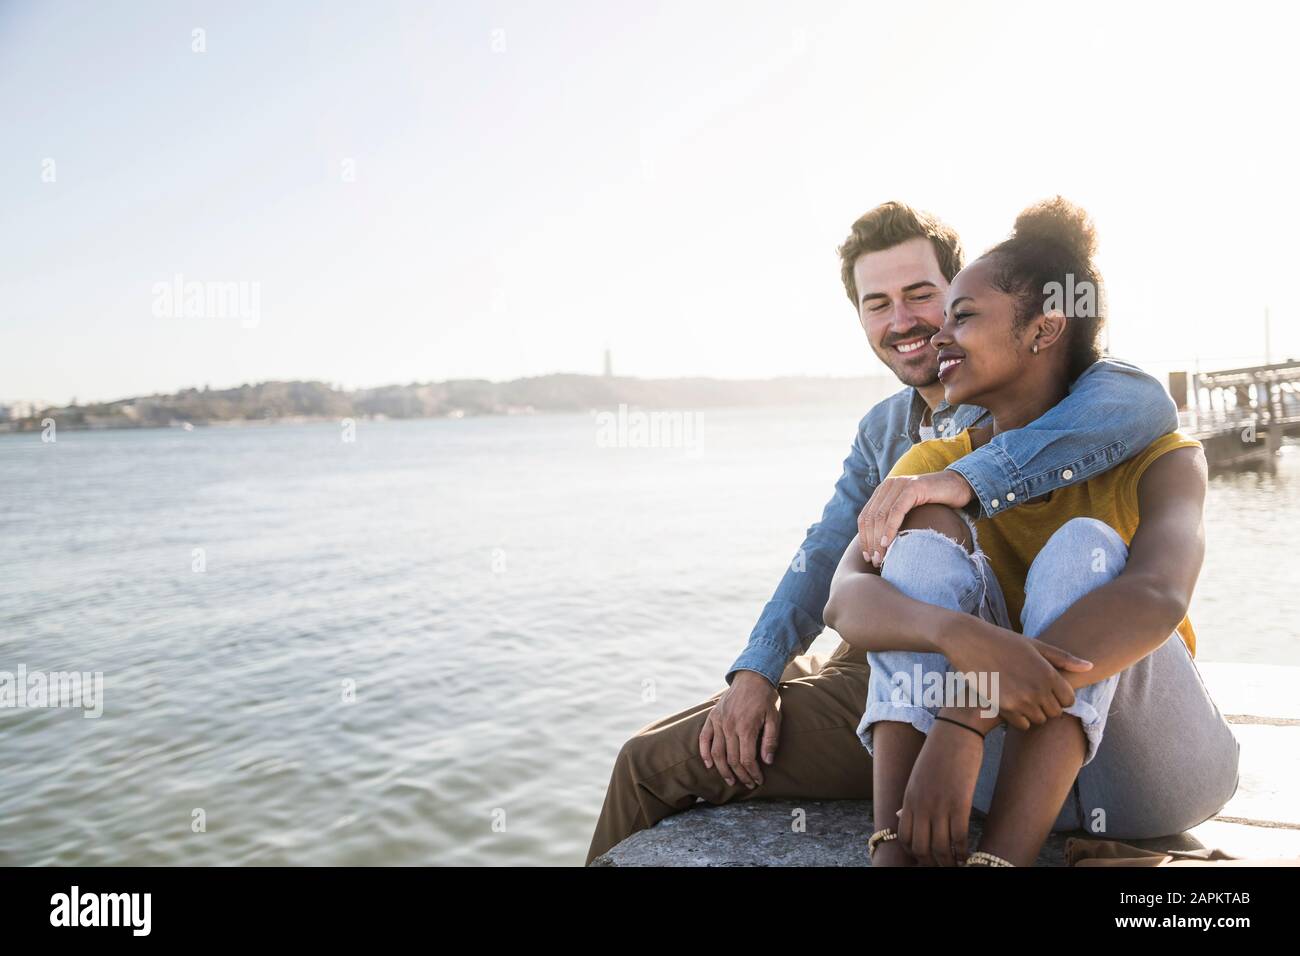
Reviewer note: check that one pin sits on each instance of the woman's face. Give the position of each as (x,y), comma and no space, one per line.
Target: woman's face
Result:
(980,350)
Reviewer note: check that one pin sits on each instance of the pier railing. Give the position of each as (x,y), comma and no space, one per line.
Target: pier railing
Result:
(1239,414)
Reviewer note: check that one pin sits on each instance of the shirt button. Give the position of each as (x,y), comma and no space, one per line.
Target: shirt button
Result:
(994,502)
(1011,496)
(1067,474)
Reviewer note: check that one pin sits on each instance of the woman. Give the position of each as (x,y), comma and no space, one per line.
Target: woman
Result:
(1068,613)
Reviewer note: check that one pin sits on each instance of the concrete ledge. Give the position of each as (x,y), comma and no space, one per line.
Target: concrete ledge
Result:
(1262,819)
(763,833)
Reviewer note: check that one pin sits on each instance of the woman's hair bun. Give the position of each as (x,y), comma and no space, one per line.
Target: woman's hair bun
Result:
(1061,222)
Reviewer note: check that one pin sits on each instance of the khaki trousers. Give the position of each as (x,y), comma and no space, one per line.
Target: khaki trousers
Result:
(818,755)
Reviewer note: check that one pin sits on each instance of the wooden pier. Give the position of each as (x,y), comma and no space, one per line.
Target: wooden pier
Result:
(1240,415)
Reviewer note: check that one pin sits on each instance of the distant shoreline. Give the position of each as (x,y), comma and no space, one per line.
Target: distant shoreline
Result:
(303,402)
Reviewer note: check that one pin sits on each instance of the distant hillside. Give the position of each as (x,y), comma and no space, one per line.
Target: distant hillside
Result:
(299,401)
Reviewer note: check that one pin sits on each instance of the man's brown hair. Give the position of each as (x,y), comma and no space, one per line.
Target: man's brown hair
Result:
(891,224)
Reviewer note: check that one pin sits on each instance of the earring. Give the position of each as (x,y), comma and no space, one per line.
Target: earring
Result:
(1035,348)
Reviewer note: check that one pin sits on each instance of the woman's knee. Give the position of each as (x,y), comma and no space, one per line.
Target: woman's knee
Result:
(1082,546)
(931,559)
(947,521)
(1080,556)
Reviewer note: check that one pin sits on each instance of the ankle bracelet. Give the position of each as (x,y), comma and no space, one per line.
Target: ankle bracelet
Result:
(880,836)
(983,858)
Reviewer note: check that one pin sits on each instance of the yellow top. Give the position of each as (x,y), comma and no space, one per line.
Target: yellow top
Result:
(1013,538)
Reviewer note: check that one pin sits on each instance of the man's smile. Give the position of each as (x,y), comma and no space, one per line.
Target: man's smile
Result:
(908,346)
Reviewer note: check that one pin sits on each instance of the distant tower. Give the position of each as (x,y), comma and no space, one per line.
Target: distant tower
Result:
(609,364)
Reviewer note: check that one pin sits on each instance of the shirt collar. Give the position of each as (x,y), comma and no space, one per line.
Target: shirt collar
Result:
(948,420)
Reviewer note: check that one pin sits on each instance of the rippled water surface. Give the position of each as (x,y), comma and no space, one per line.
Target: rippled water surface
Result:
(426,645)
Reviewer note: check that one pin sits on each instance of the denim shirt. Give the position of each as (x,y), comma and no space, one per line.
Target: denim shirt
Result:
(1113,411)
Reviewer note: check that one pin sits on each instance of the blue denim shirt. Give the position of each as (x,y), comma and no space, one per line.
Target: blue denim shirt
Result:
(1113,411)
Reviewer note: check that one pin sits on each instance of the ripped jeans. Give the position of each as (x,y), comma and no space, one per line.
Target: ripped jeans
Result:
(1160,757)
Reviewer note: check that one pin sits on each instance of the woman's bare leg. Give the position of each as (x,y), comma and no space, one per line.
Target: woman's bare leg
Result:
(897,747)
(1038,769)
(1039,765)
(897,743)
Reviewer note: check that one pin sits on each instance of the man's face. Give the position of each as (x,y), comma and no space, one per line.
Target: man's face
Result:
(900,304)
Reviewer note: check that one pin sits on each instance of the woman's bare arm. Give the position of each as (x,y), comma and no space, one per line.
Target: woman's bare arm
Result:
(870,614)
(1151,595)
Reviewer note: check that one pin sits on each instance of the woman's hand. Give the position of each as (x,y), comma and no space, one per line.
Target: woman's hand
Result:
(1030,688)
(933,824)
(895,497)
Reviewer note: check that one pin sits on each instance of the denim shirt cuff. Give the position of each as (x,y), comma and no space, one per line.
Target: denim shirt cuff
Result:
(784,629)
(766,659)
(994,477)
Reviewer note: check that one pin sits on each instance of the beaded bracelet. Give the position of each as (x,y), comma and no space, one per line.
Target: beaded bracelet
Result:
(880,836)
(983,858)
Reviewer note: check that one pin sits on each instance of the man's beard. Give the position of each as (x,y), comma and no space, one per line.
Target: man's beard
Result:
(917,377)
(906,368)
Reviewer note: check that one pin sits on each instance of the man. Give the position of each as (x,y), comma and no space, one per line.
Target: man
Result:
(896,265)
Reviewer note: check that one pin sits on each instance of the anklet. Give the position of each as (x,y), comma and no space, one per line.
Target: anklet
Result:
(983,858)
(880,836)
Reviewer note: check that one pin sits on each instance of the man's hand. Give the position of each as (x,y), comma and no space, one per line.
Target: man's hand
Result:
(745,715)
(895,497)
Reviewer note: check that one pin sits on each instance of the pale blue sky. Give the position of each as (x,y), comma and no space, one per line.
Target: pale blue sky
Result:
(668,178)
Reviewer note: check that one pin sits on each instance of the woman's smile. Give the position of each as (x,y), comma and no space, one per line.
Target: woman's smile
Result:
(949,362)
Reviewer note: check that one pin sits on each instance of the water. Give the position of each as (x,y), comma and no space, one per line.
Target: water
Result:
(427,645)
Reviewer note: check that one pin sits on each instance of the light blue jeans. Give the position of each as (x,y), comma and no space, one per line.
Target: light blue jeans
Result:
(1160,757)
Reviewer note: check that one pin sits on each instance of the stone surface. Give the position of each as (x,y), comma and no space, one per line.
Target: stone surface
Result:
(764,833)
(1262,819)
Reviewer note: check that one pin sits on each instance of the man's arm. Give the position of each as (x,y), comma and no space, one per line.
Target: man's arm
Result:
(1113,411)
(792,619)
(744,726)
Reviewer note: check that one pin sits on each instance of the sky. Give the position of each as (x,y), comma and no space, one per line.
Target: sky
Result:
(420,191)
